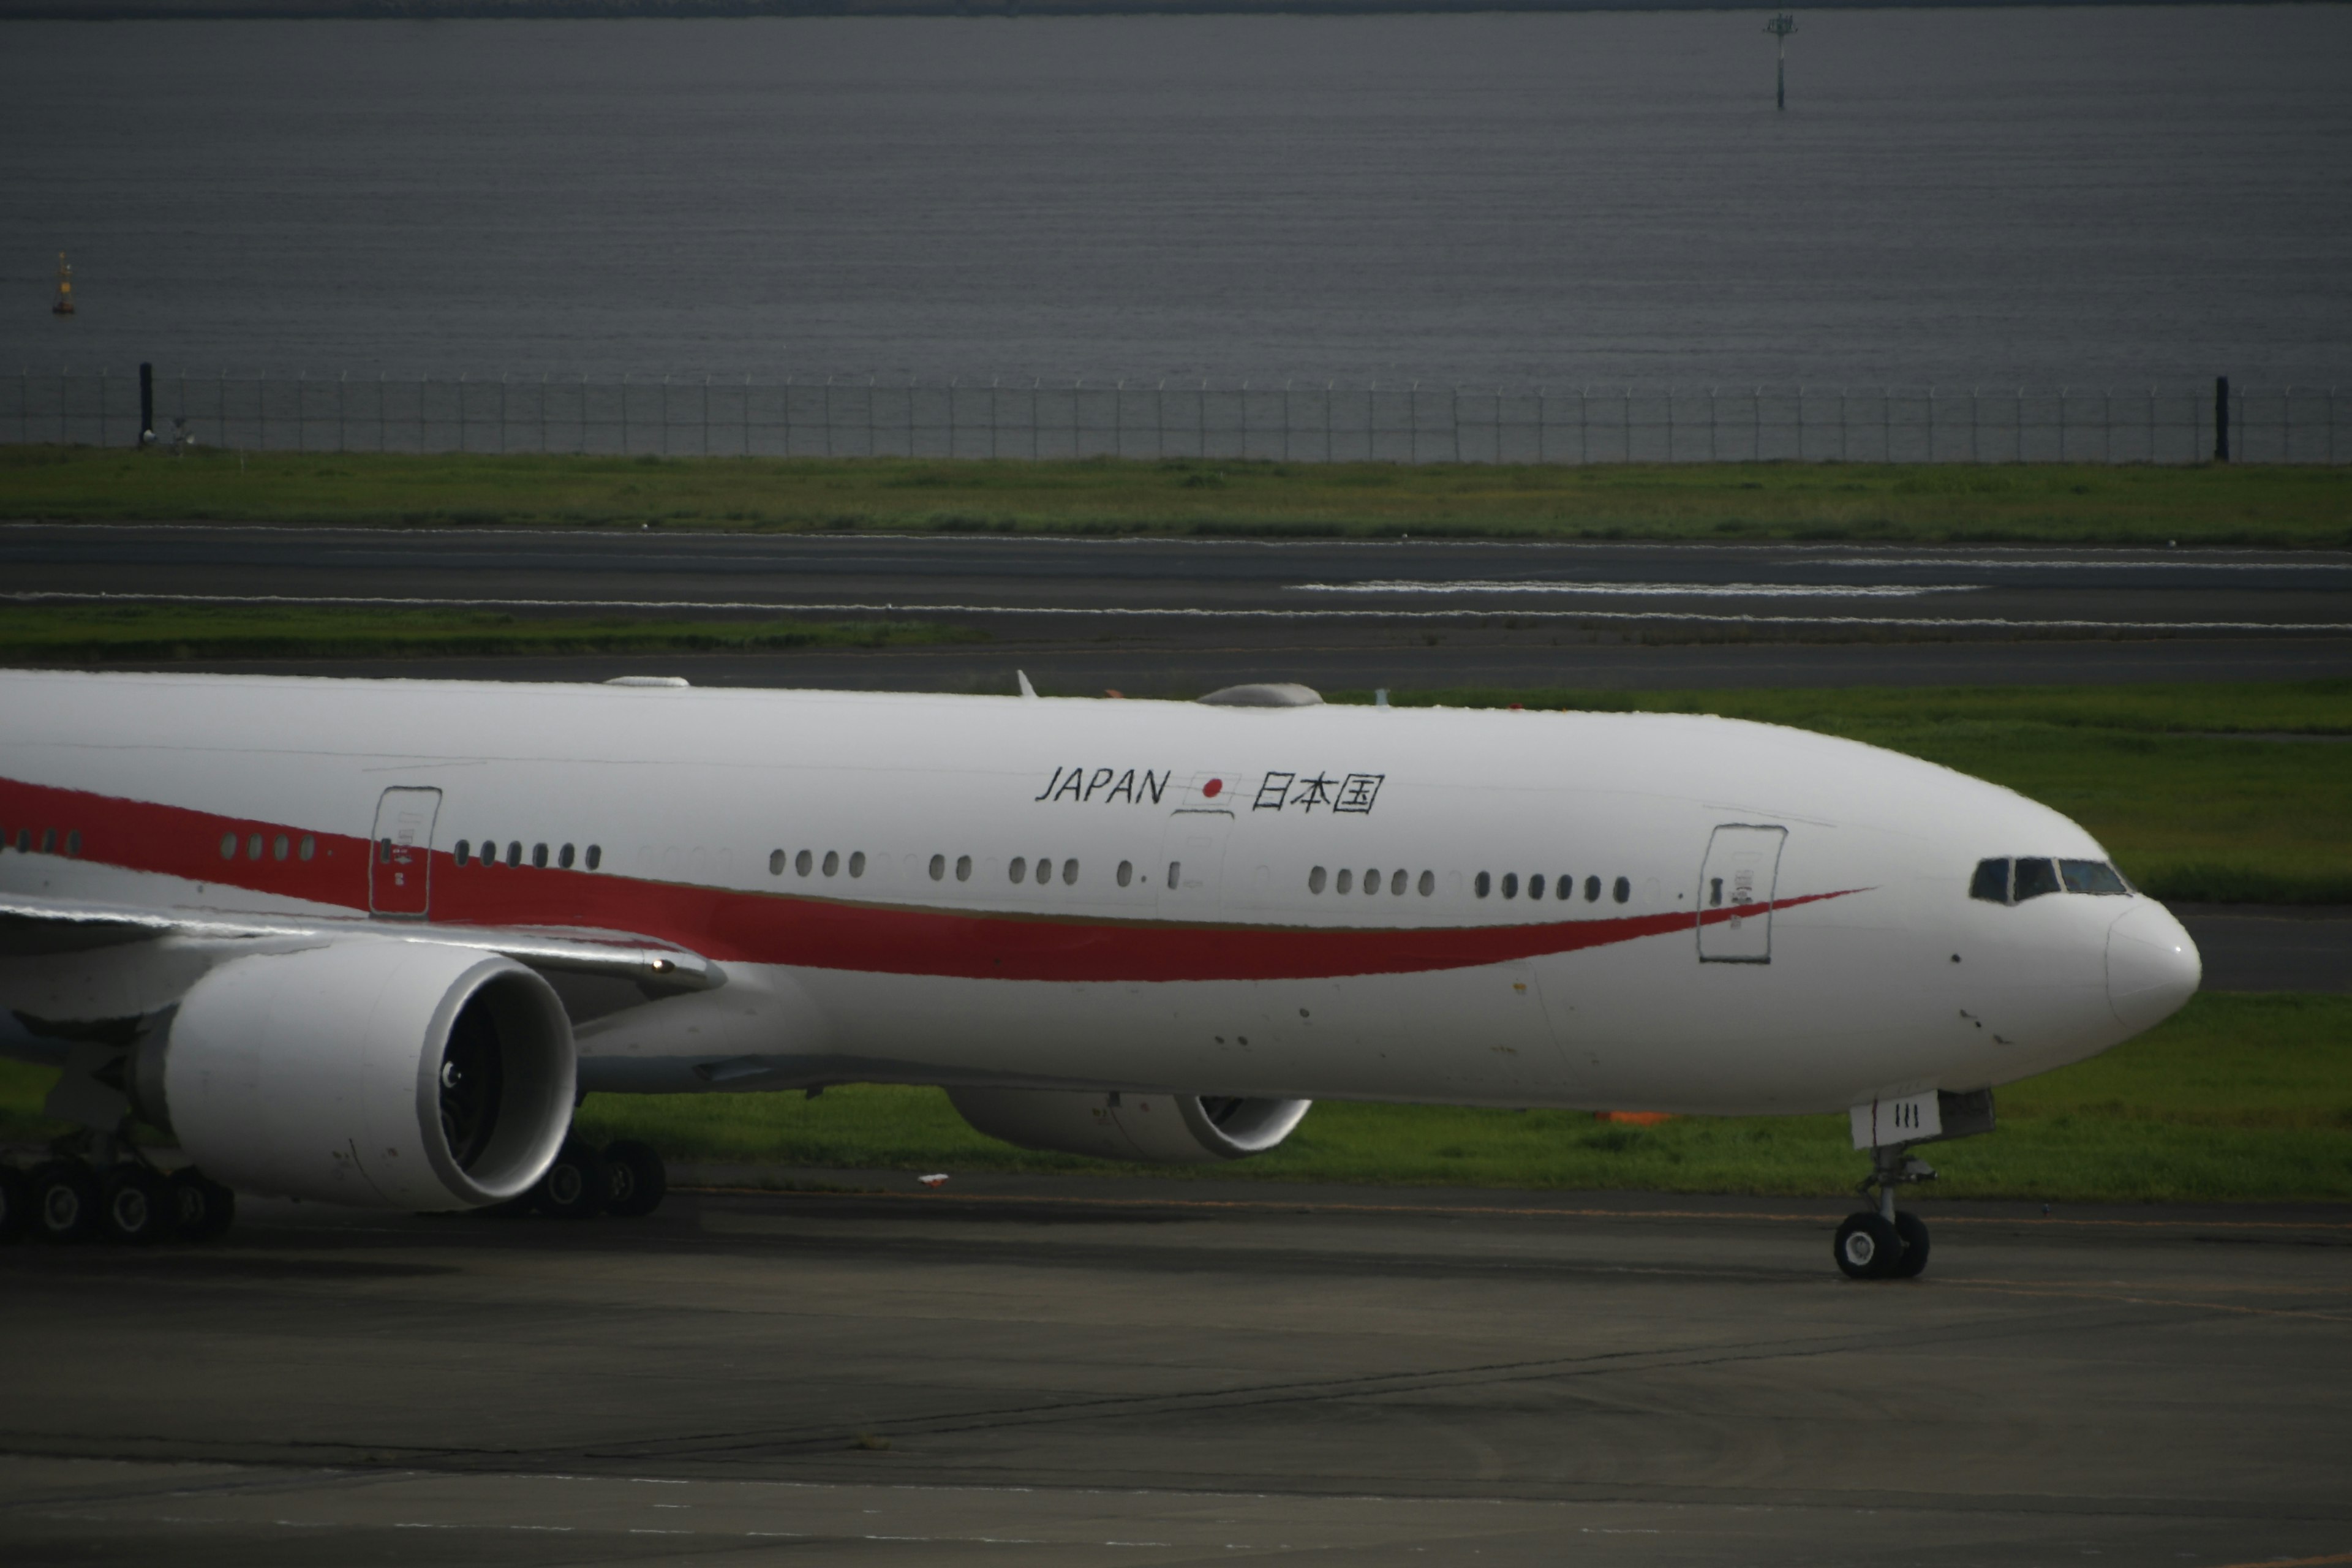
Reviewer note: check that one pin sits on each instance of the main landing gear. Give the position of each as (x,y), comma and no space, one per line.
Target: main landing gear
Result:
(113,1194)
(624,1179)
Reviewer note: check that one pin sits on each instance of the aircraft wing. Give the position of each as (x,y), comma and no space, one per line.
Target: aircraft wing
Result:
(31,925)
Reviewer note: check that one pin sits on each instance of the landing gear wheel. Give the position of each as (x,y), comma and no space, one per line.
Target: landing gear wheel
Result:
(136,1206)
(1913,1232)
(1867,1247)
(635,1181)
(205,1207)
(15,1204)
(574,1187)
(64,1201)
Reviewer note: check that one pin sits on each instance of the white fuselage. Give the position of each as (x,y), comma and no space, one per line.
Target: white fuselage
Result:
(1847,960)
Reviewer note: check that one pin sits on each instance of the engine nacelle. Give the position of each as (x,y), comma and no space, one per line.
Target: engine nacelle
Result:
(379,1073)
(1160,1129)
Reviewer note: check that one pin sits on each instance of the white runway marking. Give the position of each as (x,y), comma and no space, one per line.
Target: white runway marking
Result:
(1652,590)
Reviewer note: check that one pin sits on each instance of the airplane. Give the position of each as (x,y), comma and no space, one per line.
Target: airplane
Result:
(367,941)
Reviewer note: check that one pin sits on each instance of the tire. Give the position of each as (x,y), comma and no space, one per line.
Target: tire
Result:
(205,1207)
(1913,1234)
(1867,1247)
(574,1187)
(65,1202)
(15,1204)
(635,1180)
(136,1206)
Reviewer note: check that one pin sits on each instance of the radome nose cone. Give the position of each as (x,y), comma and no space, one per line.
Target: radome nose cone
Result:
(2153,968)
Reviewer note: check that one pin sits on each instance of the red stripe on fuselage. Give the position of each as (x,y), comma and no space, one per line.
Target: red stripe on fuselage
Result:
(728,925)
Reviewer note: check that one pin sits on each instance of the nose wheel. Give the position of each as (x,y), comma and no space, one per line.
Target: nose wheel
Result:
(1884,1242)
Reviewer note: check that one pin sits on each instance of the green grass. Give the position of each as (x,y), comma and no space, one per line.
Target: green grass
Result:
(2041,503)
(2171,779)
(117,633)
(2239,1097)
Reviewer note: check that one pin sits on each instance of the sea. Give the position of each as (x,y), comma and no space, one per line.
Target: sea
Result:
(2036,197)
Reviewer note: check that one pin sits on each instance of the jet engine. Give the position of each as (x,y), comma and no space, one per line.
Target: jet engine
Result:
(377,1073)
(1160,1129)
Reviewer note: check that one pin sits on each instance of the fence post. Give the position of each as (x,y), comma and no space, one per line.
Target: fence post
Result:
(873,441)
(102,405)
(1119,418)
(1755,418)
(2017,432)
(788,416)
(1626,409)
(1457,425)
(62,395)
(2062,424)
(25,403)
(1285,419)
(1036,418)
(1670,425)
(2286,421)
(1842,424)
(261,412)
(705,414)
(1412,422)
(1075,386)
(1372,421)
(2221,419)
(1327,419)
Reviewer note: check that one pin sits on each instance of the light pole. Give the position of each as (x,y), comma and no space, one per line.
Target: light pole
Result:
(1781,26)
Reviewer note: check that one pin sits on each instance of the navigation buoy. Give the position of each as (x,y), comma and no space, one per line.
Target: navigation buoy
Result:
(64,307)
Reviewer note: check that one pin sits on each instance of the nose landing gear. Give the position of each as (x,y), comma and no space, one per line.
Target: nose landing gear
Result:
(1881,1242)
(1884,1243)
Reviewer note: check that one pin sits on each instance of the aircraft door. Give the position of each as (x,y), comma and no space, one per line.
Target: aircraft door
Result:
(1192,851)
(1734,893)
(400,862)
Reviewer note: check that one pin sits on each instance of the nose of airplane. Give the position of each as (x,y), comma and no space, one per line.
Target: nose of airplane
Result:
(2152,966)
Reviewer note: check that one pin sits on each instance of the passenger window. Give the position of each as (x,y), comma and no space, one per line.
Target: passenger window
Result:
(939,867)
(514,851)
(1510,884)
(1714,892)
(563,858)
(2091,877)
(1314,880)
(463,853)
(1126,872)
(539,857)
(963,868)
(1429,883)
(595,855)
(252,845)
(1045,870)
(803,861)
(279,846)
(1566,890)
(1592,889)
(832,862)
(857,863)
(1622,890)
(73,843)
(775,862)
(1484,884)
(228,845)
(1372,881)
(1069,873)
(1535,886)
(1347,882)
(1175,875)
(1990,883)
(1396,885)
(2035,878)
(309,847)
(1019,869)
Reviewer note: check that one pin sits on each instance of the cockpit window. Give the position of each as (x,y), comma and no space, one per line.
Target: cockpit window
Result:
(2034,878)
(2007,881)
(2091,877)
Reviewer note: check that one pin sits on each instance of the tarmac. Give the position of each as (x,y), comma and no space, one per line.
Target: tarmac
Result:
(1032,1370)
(1177,617)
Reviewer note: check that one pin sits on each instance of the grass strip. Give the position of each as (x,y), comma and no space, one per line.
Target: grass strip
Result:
(2235,1098)
(2185,784)
(113,634)
(2294,507)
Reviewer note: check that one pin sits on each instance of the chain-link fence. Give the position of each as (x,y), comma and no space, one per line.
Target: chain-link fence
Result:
(1404,422)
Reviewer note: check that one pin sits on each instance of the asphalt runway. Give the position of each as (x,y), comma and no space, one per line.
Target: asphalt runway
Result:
(1041,1371)
(1157,617)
